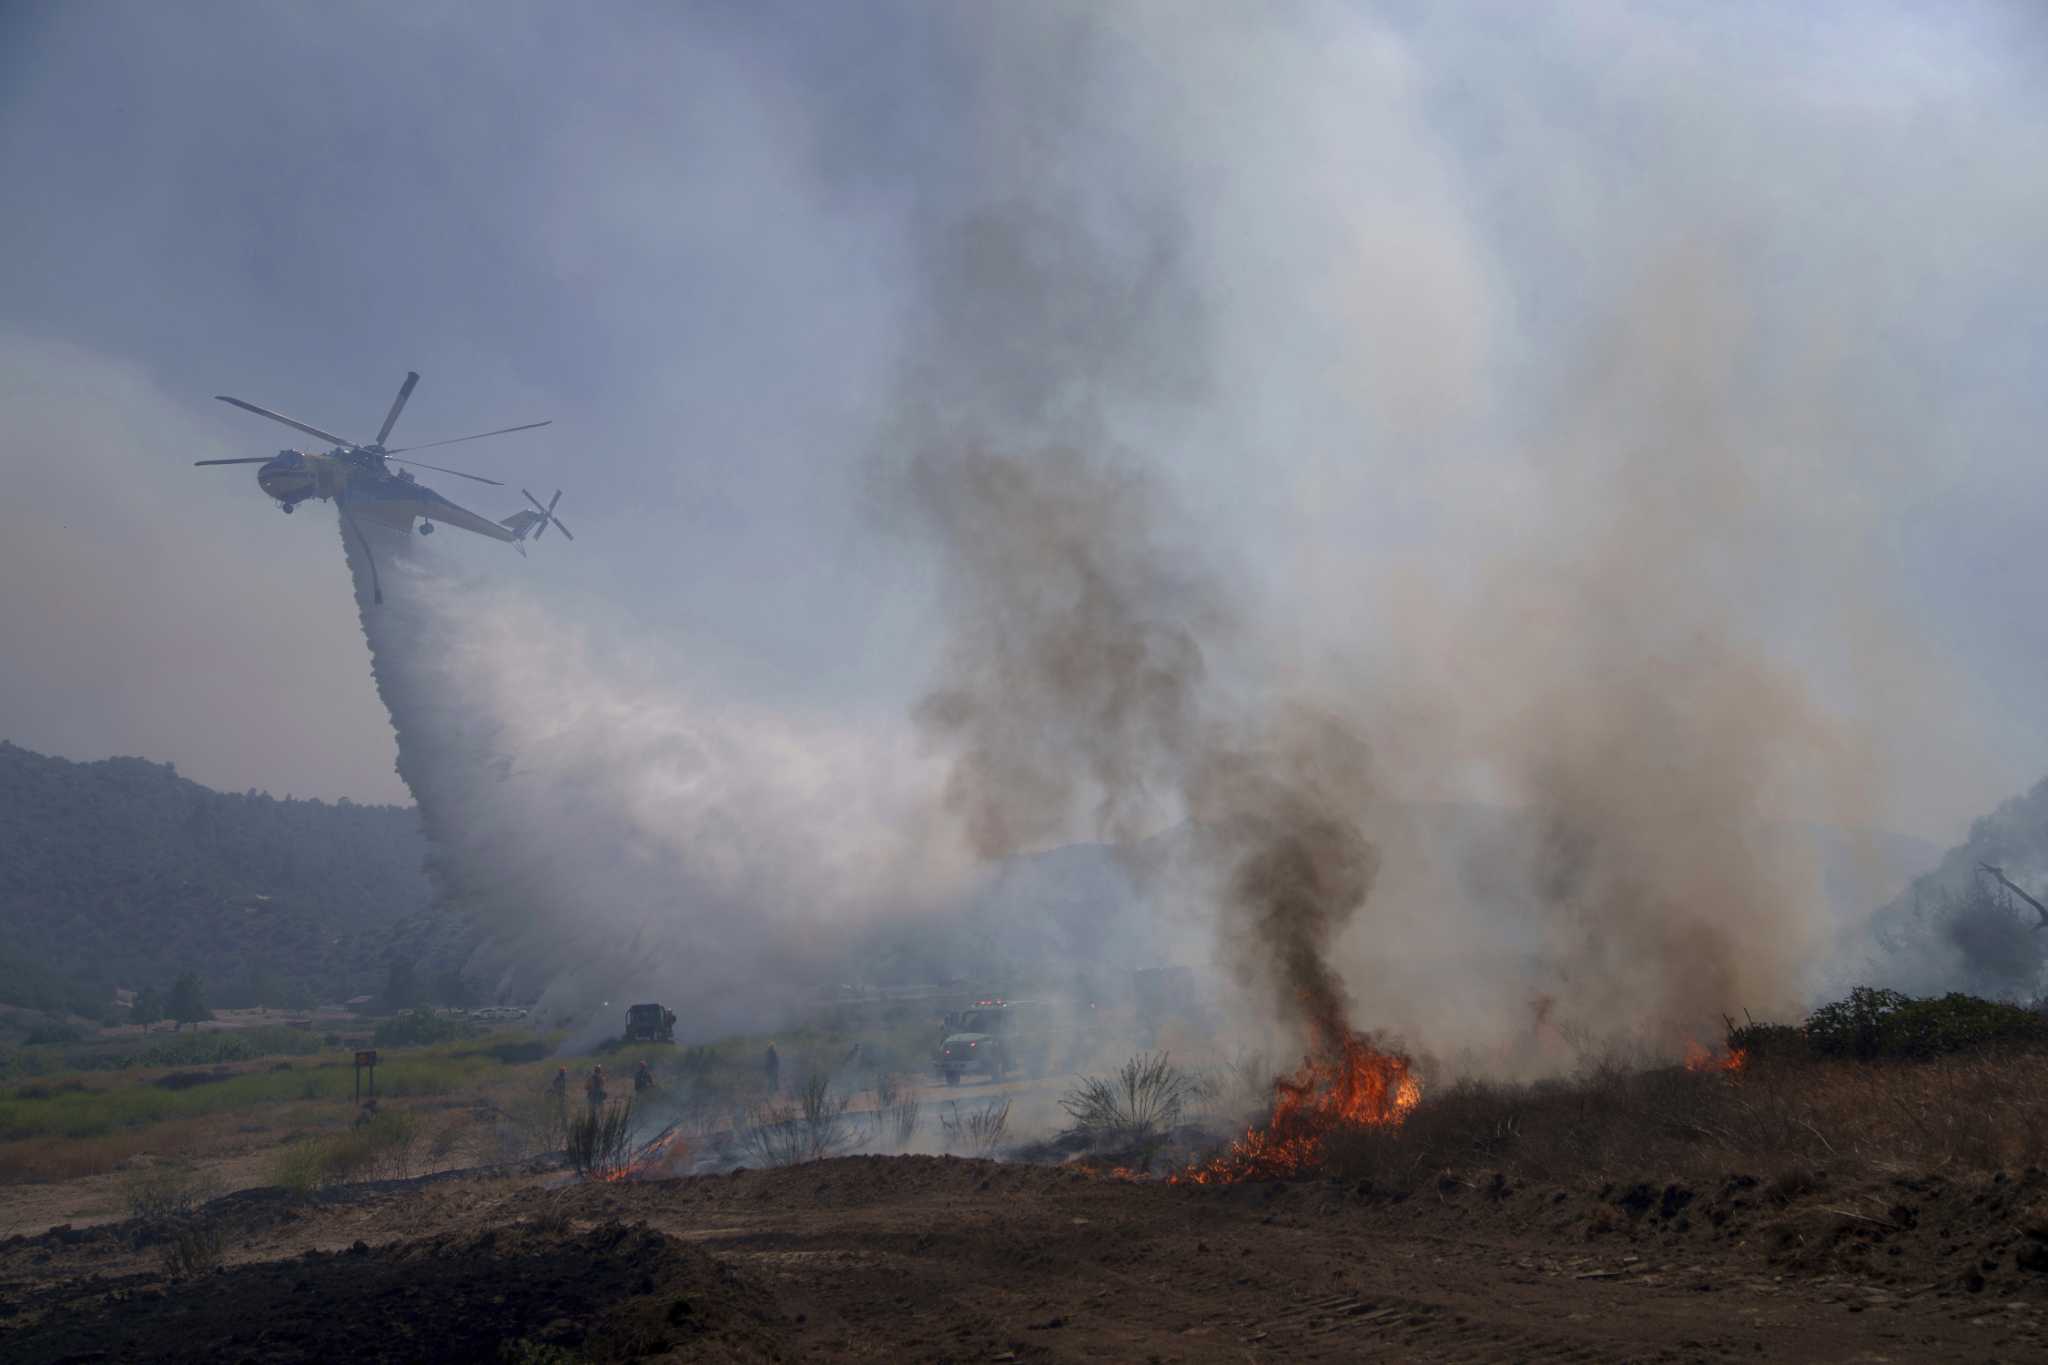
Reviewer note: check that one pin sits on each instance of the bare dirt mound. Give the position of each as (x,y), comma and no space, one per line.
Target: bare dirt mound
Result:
(609,1293)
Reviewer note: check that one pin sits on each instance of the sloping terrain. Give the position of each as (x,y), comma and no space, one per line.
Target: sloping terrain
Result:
(1954,928)
(122,873)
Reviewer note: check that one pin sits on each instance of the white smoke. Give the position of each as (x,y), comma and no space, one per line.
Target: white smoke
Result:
(619,835)
(1560,456)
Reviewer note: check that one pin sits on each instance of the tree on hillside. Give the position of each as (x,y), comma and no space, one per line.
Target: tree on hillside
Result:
(187,1004)
(148,1007)
(401,987)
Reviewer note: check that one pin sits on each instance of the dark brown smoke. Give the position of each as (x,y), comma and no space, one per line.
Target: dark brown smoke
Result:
(1076,689)
(1072,675)
(1282,817)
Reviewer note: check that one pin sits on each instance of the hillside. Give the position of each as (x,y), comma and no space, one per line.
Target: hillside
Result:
(1955,929)
(121,873)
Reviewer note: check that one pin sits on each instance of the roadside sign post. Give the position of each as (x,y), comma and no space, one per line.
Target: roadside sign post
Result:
(366,1058)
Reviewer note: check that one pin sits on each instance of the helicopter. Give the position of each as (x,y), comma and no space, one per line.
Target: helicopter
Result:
(359,476)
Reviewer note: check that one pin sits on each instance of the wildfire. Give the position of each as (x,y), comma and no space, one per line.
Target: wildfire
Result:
(664,1158)
(1353,1086)
(1699,1057)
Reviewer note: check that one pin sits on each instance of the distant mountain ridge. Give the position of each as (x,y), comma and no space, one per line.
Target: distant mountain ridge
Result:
(121,873)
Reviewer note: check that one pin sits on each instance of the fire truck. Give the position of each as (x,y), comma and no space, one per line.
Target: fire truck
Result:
(996,1038)
(649,1024)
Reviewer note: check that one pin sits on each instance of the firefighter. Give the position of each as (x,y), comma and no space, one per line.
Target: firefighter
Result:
(643,1077)
(559,1086)
(593,1089)
(772,1065)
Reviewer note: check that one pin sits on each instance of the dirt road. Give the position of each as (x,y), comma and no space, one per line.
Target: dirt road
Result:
(913,1258)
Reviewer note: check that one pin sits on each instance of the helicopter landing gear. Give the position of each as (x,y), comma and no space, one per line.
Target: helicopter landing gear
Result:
(287,508)
(426,528)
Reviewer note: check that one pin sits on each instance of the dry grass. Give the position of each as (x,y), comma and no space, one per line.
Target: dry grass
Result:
(165,1189)
(975,1131)
(56,1158)
(191,1248)
(898,1112)
(1143,1100)
(1983,1112)
(811,1128)
(600,1141)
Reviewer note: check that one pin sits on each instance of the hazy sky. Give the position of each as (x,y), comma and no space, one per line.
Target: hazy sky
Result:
(705,239)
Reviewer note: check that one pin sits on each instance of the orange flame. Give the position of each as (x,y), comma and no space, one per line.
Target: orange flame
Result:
(1699,1057)
(664,1158)
(1358,1087)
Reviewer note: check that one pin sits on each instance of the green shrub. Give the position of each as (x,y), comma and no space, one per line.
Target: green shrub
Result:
(1873,1024)
(380,1149)
(1853,1027)
(383,1147)
(51,1030)
(1757,1041)
(420,1028)
(301,1167)
(170,1049)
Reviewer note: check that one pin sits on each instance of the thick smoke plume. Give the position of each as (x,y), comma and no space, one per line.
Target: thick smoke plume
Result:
(1591,572)
(1562,456)
(1076,697)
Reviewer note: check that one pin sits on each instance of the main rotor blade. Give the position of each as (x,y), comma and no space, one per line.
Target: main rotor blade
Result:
(412,377)
(457,440)
(253,459)
(280,417)
(422,464)
(559,527)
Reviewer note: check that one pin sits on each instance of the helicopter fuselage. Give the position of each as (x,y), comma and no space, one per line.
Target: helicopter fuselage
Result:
(292,476)
(359,479)
(392,498)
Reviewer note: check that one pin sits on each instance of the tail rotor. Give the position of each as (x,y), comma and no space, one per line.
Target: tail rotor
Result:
(547,514)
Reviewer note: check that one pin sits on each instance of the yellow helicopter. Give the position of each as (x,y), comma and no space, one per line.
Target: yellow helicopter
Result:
(359,477)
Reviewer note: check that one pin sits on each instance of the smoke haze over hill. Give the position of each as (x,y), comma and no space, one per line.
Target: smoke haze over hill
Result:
(993,427)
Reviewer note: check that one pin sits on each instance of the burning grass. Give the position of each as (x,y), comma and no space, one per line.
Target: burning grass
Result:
(1354,1087)
(1984,1112)
(1878,1081)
